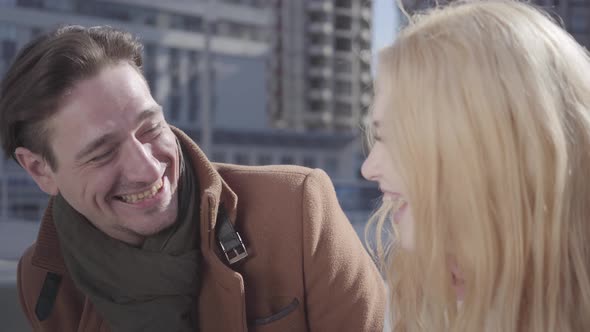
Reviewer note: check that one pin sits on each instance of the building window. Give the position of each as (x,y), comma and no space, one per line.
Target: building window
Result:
(343,22)
(344,109)
(194,86)
(110,11)
(317,39)
(173,60)
(579,20)
(150,77)
(309,161)
(241,158)
(343,87)
(331,165)
(218,156)
(8,50)
(317,61)
(149,51)
(317,83)
(174,108)
(264,159)
(7,31)
(343,66)
(317,106)
(30,3)
(150,20)
(343,44)
(194,100)
(192,23)
(318,17)
(315,126)
(343,127)
(174,83)
(60,5)
(35,32)
(7,3)
(343,4)
(25,211)
(287,160)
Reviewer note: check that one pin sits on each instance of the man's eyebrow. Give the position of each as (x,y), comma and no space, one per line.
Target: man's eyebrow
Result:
(148,113)
(95,144)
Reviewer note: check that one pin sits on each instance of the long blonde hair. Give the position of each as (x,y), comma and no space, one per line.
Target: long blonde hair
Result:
(488,122)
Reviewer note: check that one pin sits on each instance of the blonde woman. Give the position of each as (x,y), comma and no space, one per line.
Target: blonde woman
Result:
(481,129)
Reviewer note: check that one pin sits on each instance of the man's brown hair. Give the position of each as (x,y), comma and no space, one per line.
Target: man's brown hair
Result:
(44,70)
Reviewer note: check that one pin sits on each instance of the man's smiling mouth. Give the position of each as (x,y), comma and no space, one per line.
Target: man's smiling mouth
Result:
(140,196)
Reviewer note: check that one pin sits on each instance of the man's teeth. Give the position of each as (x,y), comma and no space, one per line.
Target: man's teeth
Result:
(137,197)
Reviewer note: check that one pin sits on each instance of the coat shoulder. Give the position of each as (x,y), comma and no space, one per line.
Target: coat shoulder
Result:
(275,175)
(281,171)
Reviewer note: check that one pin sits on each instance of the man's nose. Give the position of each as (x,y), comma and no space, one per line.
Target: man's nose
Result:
(141,165)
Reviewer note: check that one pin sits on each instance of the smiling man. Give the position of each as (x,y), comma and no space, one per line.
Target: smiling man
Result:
(143,233)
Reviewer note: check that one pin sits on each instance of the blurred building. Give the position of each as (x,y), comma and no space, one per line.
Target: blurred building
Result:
(187,43)
(208,65)
(575,14)
(320,75)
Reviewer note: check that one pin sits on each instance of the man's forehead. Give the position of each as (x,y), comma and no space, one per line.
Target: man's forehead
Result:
(115,80)
(83,121)
(113,90)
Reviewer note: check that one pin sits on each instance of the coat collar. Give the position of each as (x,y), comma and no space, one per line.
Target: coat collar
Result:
(214,191)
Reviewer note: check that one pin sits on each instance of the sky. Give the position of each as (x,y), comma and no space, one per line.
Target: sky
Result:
(385,22)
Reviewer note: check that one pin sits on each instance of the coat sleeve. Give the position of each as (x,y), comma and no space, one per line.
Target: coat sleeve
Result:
(344,290)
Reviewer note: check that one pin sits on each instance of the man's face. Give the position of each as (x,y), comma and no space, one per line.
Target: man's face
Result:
(117,158)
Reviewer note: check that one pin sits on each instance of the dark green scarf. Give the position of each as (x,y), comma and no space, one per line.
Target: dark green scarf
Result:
(152,288)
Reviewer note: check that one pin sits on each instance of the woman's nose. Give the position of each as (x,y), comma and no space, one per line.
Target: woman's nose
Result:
(369,168)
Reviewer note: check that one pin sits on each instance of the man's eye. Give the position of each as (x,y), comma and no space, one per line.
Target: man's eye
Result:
(153,131)
(102,157)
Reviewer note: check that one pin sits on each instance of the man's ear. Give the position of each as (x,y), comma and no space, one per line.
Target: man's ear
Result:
(38,169)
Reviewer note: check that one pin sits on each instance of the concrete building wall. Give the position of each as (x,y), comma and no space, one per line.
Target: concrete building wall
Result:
(321,64)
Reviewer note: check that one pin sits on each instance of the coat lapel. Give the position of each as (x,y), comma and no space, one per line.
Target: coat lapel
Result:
(222,298)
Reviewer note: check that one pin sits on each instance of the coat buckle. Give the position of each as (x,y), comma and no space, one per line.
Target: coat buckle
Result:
(237,252)
(229,239)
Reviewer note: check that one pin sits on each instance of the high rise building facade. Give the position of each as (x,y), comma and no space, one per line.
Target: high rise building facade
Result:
(190,46)
(320,75)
